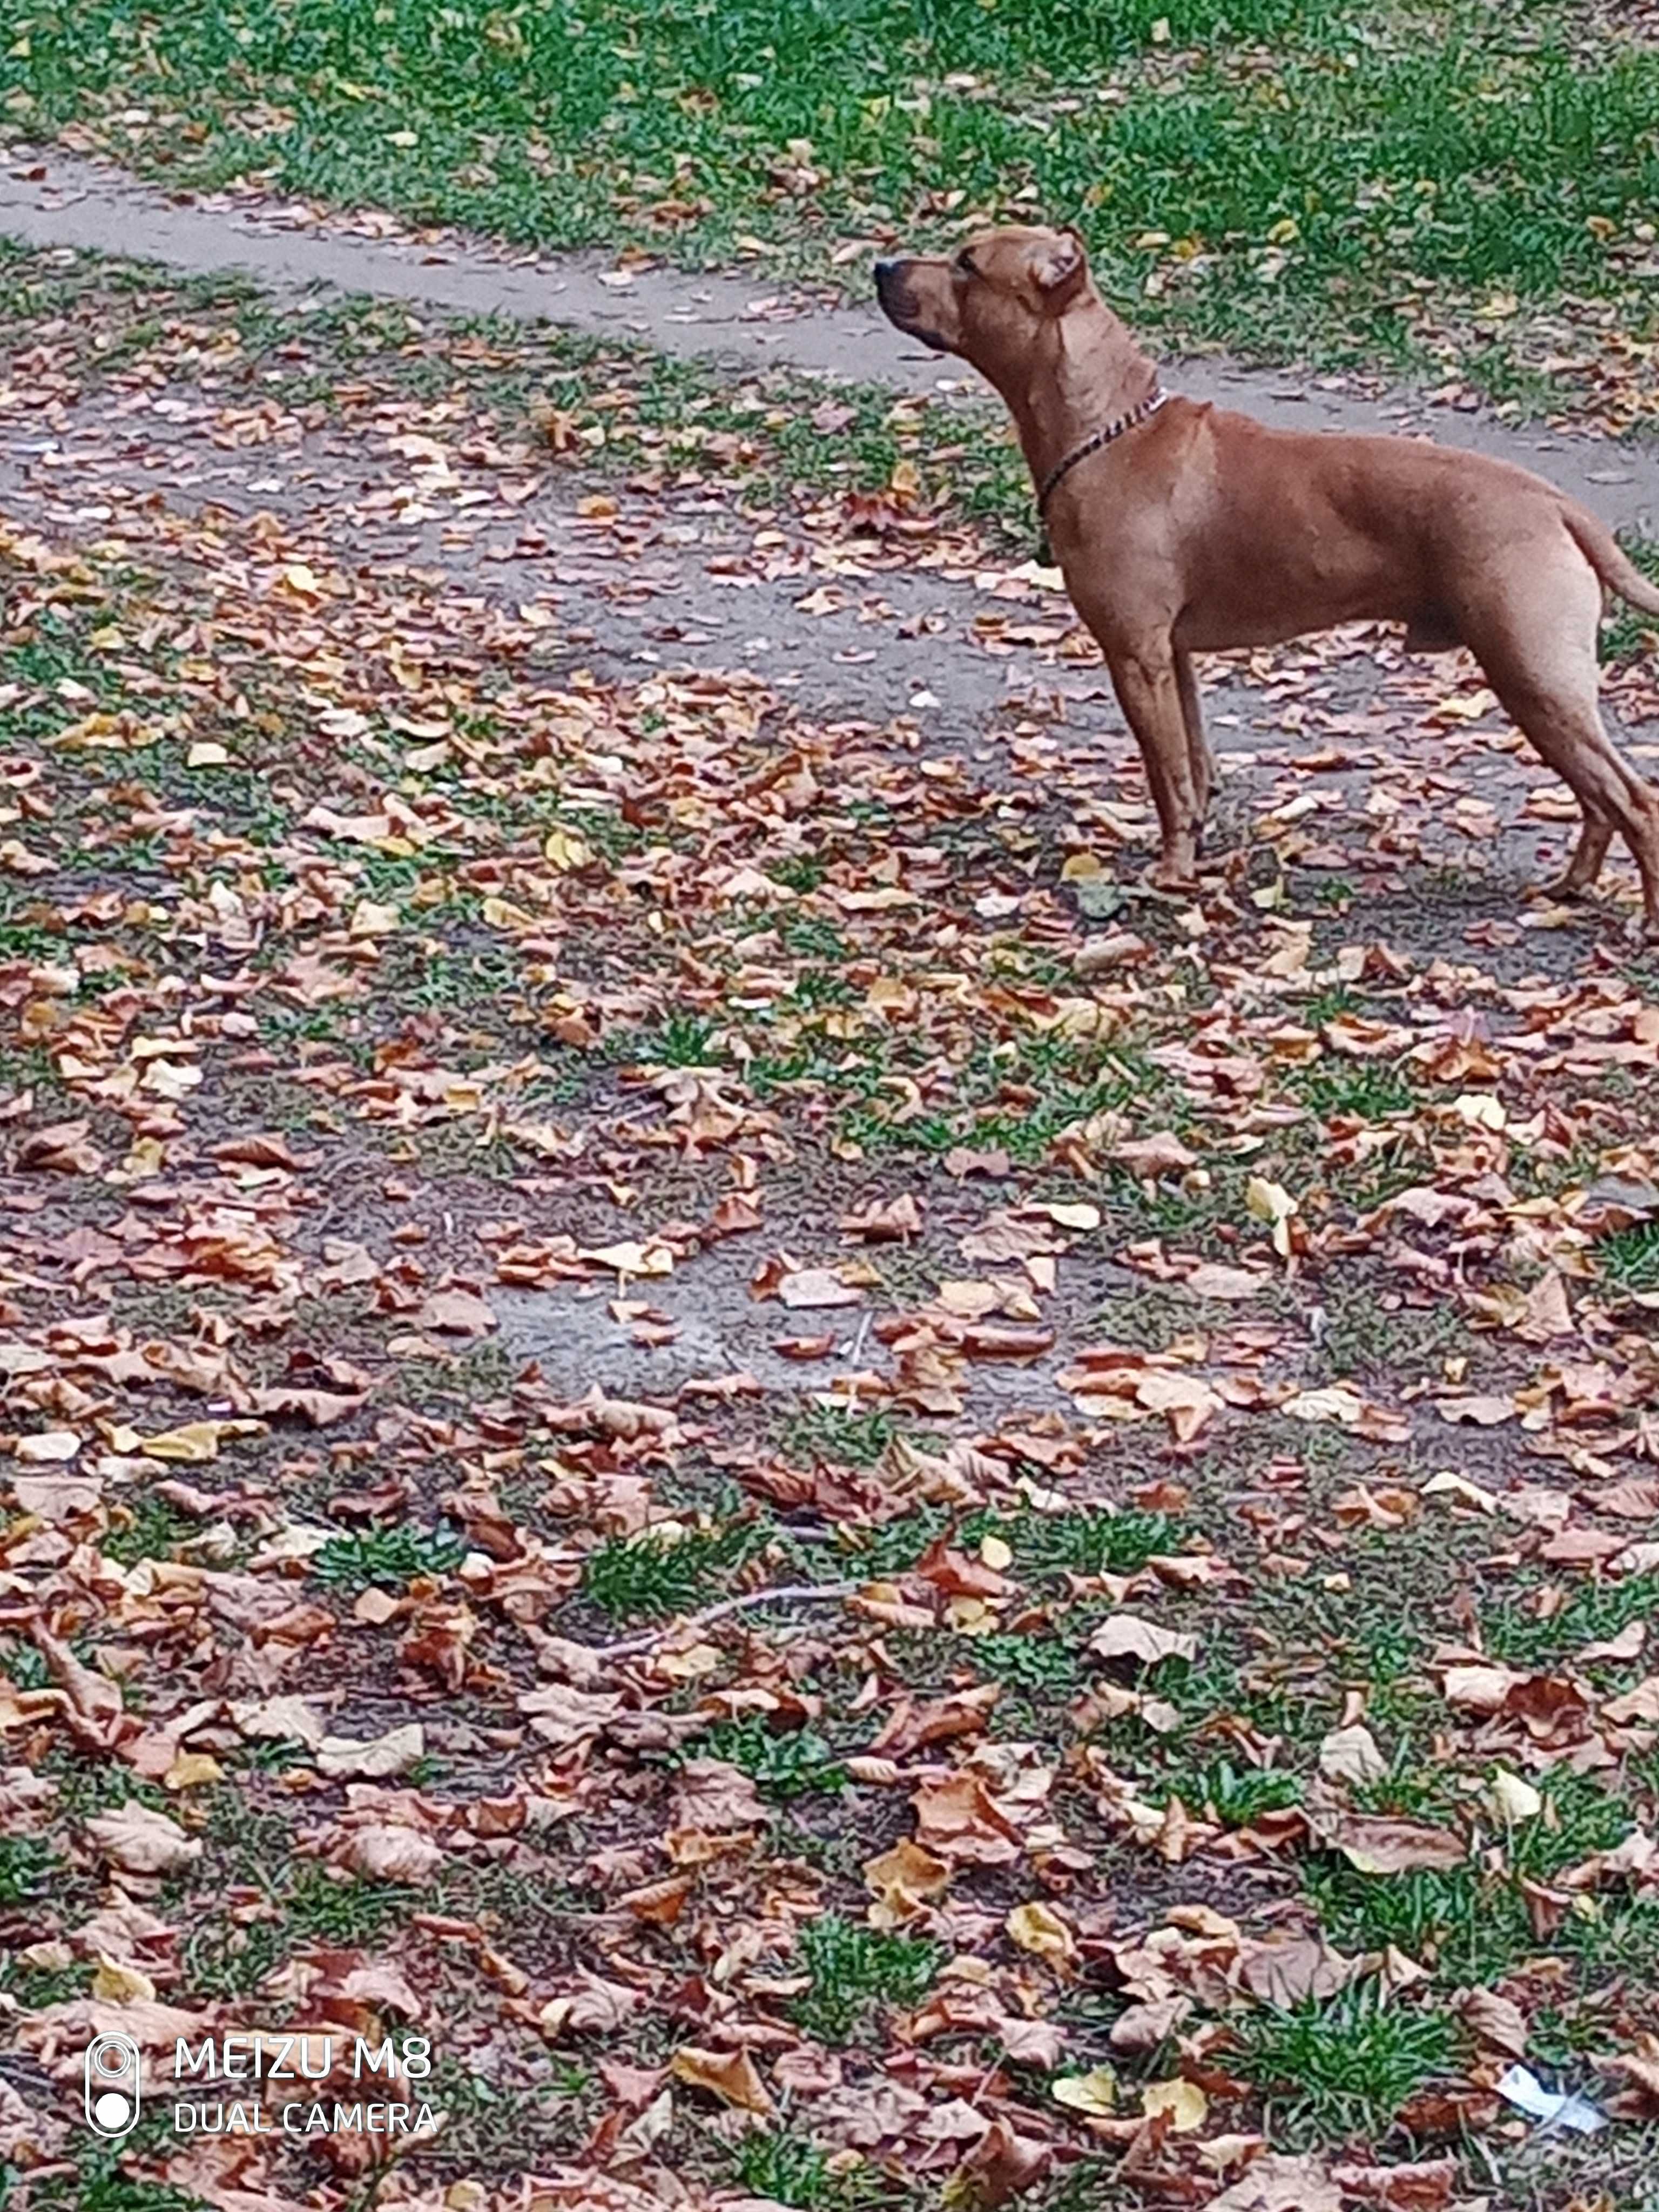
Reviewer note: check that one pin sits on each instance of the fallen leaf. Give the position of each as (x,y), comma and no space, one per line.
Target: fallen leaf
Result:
(1095,2092)
(1182,2103)
(1127,1636)
(140,1841)
(729,2076)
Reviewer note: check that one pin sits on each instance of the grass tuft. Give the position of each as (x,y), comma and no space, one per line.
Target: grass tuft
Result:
(856,1972)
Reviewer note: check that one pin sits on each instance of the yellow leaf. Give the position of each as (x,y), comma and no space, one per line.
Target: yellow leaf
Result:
(192,1769)
(195,1444)
(997,1554)
(205,753)
(1511,1798)
(1037,1928)
(1077,866)
(116,1983)
(1268,1201)
(905,479)
(502,913)
(1273,1203)
(565,849)
(1094,2092)
(372,921)
(1184,2102)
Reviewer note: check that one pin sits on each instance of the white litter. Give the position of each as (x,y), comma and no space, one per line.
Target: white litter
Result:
(1527,2093)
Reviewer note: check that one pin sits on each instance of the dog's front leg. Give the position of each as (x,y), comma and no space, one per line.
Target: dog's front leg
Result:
(1198,745)
(1149,689)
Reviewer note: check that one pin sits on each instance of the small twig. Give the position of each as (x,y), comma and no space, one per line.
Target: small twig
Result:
(785,1594)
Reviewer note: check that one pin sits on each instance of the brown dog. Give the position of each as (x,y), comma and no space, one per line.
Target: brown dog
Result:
(1181,528)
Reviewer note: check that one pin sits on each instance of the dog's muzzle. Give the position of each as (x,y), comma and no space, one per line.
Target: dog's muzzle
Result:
(896,306)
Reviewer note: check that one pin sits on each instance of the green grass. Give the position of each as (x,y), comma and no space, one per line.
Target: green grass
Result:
(654,1576)
(1346,2067)
(149,1529)
(787,2168)
(390,1556)
(1517,1634)
(1630,1257)
(856,1971)
(784,1764)
(1269,173)
(839,1435)
(27,1865)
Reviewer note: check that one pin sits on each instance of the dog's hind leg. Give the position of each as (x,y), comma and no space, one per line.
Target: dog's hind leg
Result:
(1533,634)
(1200,760)
(1595,835)
(1148,685)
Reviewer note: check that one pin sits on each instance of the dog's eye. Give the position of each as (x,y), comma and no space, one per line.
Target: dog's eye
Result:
(965,262)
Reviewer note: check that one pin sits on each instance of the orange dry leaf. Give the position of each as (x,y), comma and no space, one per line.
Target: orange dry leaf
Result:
(729,2076)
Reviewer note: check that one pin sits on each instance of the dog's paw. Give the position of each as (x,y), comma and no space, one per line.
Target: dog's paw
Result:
(1567,890)
(1174,877)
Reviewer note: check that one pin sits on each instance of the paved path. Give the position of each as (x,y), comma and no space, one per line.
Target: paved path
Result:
(53,199)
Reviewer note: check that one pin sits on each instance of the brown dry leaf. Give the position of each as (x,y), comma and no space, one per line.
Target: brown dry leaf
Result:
(812,1288)
(717,1798)
(1211,1278)
(1163,1153)
(1127,1636)
(1143,2026)
(375,1757)
(1002,2165)
(140,1841)
(1276,2183)
(1186,1401)
(1424,2186)
(1376,1843)
(892,1221)
(1350,1754)
(1478,1689)
(1286,1974)
(383,1852)
(565,1717)
(905,1879)
(1038,1929)
(456,1313)
(1635,1706)
(1484,1412)
(730,2075)
(1495,2019)
(959,1822)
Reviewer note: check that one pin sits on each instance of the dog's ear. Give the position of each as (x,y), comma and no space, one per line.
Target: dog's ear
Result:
(1061,268)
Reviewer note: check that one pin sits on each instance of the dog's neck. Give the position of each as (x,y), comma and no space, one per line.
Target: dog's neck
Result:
(1089,371)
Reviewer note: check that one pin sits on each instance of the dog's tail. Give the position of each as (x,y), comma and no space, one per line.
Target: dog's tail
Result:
(1609,559)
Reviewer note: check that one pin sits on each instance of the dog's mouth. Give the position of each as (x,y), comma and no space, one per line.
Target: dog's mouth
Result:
(897,304)
(902,321)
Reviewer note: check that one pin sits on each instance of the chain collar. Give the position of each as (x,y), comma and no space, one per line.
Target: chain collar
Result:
(1062,470)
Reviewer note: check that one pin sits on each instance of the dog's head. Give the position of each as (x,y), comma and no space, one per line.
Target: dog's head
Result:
(990,301)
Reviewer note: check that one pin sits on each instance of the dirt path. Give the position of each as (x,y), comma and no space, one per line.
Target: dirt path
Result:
(52,199)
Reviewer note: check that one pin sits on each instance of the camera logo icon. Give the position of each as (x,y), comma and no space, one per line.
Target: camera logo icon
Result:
(110,2075)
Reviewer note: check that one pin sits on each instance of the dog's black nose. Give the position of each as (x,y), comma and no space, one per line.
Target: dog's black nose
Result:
(884,269)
